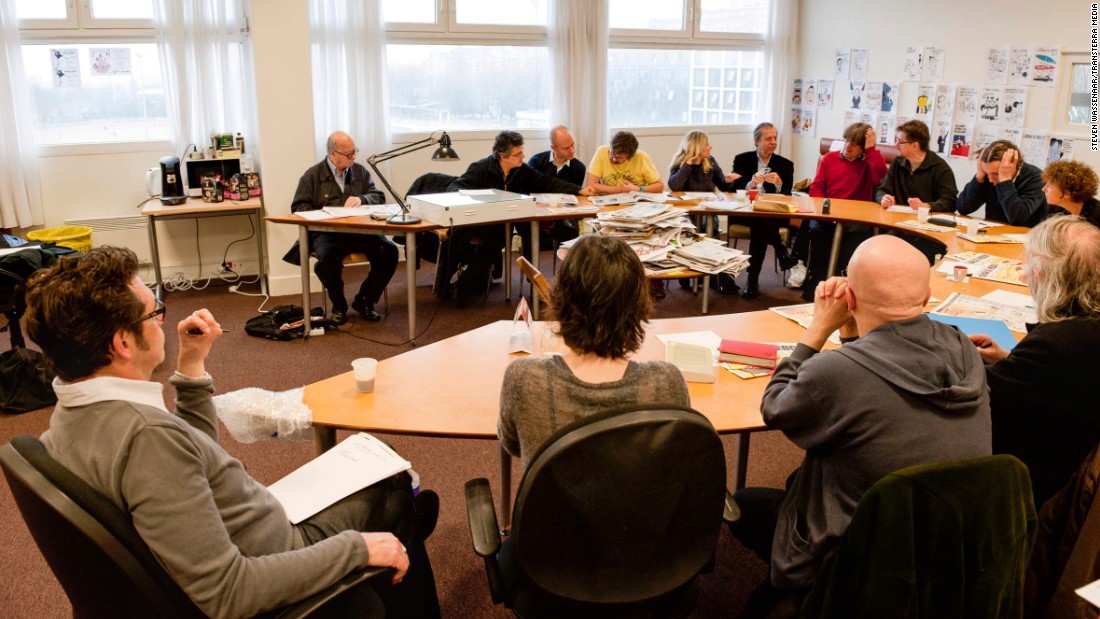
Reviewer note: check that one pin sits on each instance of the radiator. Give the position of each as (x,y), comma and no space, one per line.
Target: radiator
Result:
(131,231)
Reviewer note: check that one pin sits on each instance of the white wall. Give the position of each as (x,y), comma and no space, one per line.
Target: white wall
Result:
(965,29)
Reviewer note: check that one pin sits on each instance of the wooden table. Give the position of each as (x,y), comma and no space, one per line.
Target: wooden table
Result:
(195,208)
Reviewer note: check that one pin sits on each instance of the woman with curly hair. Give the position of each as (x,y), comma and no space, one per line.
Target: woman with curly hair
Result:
(602,302)
(1070,189)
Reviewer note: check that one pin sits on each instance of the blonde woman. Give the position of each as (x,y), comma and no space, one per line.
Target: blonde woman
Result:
(693,169)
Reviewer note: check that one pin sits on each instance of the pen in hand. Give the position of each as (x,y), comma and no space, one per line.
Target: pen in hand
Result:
(197,331)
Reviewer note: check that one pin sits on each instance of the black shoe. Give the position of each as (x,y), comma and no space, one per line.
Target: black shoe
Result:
(427,512)
(365,308)
(338,317)
(657,289)
(787,262)
(751,291)
(687,283)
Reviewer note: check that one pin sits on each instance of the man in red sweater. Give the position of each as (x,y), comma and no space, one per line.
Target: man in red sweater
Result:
(851,173)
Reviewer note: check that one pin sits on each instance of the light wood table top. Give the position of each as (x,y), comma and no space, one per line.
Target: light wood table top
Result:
(195,206)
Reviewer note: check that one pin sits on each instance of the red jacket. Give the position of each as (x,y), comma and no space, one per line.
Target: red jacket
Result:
(849,180)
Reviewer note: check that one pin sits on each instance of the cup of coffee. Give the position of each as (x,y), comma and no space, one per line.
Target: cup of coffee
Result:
(741,195)
(753,194)
(922,214)
(960,273)
(973,226)
(363,369)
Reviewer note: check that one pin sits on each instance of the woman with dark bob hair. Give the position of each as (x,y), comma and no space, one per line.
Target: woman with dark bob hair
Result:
(601,301)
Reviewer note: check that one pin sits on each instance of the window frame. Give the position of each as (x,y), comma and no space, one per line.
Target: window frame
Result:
(447,24)
(1060,124)
(79,18)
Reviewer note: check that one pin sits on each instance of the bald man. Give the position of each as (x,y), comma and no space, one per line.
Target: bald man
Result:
(902,390)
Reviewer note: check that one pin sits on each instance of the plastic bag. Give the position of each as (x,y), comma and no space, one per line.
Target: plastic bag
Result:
(253,414)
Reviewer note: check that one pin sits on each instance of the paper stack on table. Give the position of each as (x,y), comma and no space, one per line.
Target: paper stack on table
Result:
(710,256)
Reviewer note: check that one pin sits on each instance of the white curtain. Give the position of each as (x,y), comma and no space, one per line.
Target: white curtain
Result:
(20,187)
(206,60)
(349,73)
(780,54)
(578,34)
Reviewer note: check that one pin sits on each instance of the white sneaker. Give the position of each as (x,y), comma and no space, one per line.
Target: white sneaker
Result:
(797,276)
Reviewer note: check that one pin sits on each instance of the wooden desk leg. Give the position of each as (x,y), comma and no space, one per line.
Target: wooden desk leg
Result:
(741,464)
(505,490)
(706,280)
(260,251)
(535,259)
(507,261)
(410,283)
(303,255)
(324,437)
(156,257)
(834,254)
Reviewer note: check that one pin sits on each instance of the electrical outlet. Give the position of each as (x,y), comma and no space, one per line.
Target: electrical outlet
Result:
(229,266)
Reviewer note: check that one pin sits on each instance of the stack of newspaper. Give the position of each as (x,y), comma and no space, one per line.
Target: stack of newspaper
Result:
(708,255)
(651,230)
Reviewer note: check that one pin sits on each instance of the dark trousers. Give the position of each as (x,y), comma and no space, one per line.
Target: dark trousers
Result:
(330,249)
(384,506)
(762,233)
(559,231)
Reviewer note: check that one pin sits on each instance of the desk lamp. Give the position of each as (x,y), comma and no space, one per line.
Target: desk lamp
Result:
(443,153)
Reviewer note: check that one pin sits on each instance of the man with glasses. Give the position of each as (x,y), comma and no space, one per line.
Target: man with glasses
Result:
(917,178)
(339,181)
(621,168)
(504,169)
(218,533)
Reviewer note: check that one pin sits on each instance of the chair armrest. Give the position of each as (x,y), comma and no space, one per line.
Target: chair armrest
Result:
(482,516)
(315,602)
(730,511)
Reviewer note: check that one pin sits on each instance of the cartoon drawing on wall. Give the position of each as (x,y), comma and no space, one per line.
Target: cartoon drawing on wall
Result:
(960,141)
(889,96)
(996,65)
(1044,65)
(989,110)
(856,91)
(872,96)
(966,103)
(942,131)
(945,101)
(1019,65)
(1014,105)
(808,118)
(933,64)
(65,67)
(924,104)
(1034,146)
(859,63)
(809,94)
(842,62)
(825,94)
(796,93)
(796,120)
(886,125)
(912,69)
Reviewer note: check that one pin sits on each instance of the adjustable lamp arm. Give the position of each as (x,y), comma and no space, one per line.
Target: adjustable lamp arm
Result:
(443,152)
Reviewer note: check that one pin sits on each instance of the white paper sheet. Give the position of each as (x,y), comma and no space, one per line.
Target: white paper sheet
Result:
(357,462)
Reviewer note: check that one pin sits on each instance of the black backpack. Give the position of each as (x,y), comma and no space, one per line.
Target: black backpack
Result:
(282,323)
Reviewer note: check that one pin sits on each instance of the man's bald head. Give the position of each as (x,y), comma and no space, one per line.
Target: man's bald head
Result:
(889,279)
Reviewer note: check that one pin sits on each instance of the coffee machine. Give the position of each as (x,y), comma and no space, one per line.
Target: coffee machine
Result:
(171,181)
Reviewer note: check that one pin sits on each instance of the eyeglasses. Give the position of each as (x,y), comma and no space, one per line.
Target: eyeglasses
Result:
(159,313)
(900,143)
(350,155)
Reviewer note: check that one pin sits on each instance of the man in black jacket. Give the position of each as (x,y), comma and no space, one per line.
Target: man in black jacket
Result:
(1010,189)
(560,162)
(339,181)
(504,170)
(762,169)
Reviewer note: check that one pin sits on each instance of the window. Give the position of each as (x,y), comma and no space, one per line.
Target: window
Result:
(484,67)
(685,62)
(1073,112)
(96,93)
(94,71)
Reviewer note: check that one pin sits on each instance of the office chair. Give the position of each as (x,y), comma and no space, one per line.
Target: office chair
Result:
(616,516)
(538,281)
(96,554)
(947,540)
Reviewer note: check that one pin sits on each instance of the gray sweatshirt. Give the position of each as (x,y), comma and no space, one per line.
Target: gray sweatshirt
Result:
(907,393)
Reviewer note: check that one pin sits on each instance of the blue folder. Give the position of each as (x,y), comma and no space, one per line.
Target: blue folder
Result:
(997,330)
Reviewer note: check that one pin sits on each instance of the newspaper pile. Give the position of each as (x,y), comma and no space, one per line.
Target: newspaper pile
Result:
(707,255)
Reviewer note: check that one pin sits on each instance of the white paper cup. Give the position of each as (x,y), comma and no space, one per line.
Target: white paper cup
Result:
(741,197)
(364,373)
(972,227)
(922,214)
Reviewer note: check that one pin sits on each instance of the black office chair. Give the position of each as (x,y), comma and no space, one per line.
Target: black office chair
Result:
(96,554)
(616,516)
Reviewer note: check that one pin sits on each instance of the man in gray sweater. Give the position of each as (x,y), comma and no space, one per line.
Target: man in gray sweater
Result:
(902,390)
(219,533)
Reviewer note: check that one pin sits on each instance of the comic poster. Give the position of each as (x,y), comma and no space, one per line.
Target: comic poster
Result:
(809,115)
(1044,65)
(809,94)
(890,92)
(926,102)
(989,105)
(960,140)
(851,117)
(941,137)
(872,97)
(796,120)
(855,90)
(796,93)
(1014,105)
(911,71)
(945,101)
(842,61)
(885,128)
(825,94)
(996,65)
(1012,134)
(966,104)
(932,71)
(1059,148)
(1019,65)
(859,63)
(984,135)
(1034,147)
(904,118)
(65,65)
(868,118)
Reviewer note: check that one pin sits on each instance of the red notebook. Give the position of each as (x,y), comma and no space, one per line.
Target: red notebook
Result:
(749,353)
